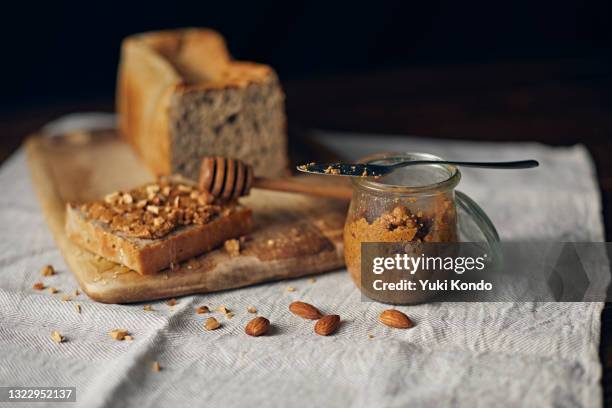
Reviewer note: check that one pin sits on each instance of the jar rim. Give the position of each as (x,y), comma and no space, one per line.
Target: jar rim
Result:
(454,175)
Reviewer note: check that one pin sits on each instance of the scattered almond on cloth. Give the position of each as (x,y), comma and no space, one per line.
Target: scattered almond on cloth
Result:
(47,270)
(327,325)
(202,309)
(118,334)
(212,324)
(396,319)
(257,327)
(38,286)
(57,337)
(305,310)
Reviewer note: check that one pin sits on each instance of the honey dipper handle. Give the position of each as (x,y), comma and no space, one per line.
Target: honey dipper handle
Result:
(294,186)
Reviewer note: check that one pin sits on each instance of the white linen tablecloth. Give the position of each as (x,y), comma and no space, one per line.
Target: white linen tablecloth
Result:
(466,354)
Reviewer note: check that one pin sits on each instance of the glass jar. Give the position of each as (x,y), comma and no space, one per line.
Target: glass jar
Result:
(414,204)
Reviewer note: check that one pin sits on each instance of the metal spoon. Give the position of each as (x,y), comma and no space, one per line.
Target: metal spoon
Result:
(377,170)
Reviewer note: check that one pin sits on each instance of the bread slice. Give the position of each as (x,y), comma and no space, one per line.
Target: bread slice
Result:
(181,97)
(156,226)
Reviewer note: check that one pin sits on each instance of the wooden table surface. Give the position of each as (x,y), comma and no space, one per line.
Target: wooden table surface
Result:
(555,102)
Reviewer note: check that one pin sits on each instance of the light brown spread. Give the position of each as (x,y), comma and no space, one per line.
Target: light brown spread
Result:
(154,210)
(435,223)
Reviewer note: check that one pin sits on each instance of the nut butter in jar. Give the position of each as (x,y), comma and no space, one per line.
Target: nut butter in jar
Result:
(414,204)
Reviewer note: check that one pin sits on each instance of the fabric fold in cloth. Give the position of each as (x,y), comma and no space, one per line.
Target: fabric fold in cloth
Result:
(458,354)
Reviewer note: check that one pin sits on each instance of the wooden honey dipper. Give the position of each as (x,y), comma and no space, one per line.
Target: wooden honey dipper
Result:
(229,179)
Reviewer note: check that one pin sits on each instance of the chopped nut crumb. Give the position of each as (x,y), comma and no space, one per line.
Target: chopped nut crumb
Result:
(229,315)
(66,298)
(147,308)
(252,309)
(52,290)
(290,289)
(47,270)
(232,247)
(223,309)
(57,337)
(193,264)
(184,189)
(212,324)
(38,286)
(331,170)
(370,336)
(112,197)
(171,302)
(155,366)
(76,292)
(128,338)
(202,309)
(118,334)
(77,307)
(312,280)
(152,189)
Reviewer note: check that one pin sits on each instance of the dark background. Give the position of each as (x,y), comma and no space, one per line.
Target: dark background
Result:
(62,51)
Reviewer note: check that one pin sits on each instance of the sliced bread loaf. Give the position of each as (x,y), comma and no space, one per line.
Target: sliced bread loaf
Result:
(181,97)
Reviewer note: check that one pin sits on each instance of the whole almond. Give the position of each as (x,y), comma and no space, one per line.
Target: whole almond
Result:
(257,327)
(327,325)
(395,318)
(305,310)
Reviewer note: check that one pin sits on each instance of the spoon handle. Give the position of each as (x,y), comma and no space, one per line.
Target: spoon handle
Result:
(521,164)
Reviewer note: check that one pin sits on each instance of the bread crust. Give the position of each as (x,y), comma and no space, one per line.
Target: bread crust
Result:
(157,67)
(149,256)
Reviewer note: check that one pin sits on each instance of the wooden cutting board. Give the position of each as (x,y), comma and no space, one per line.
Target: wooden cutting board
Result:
(294,235)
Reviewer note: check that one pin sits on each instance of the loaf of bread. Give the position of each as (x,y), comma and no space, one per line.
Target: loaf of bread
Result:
(155,226)
(181,97)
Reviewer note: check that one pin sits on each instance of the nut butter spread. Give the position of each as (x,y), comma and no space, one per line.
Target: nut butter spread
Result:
(435,221)
(154,210)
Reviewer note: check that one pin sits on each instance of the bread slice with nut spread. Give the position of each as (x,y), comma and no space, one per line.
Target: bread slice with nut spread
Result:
(155,226)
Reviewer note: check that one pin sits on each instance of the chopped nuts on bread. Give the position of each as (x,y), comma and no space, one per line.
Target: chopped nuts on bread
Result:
(159,225)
